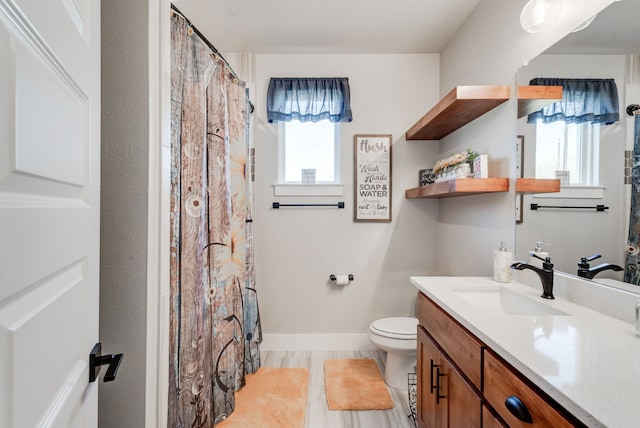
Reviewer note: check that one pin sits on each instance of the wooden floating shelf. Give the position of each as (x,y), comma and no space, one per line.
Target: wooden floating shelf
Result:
(459,187)
(459,107)
(532,98)
(537,185)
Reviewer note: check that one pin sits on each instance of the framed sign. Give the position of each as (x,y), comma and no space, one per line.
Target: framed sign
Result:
(520,174)
(372,178)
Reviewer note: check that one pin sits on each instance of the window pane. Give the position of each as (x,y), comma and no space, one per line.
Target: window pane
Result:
(309,145)
(550,149)
(573,148)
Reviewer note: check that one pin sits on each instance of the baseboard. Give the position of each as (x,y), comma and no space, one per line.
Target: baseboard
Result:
(316,342)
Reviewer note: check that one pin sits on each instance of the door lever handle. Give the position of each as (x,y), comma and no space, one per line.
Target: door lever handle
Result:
(96,360)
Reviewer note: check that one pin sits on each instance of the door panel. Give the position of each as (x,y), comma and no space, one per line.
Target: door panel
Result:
(428,359)
(49,107)
(44,120)
(54,356)
(49,211)
(464,409)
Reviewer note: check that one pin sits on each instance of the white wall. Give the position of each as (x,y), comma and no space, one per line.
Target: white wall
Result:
(488,49)
(124,188)
(575,234)
(298,248)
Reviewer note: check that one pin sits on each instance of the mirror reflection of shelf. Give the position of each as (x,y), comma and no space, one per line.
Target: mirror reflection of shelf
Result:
(532,98)
(459,187)
(459,107)
(537,185)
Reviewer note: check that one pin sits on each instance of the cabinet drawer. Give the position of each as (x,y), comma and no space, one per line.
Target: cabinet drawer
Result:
(490,421)
(500,382)
(464,349)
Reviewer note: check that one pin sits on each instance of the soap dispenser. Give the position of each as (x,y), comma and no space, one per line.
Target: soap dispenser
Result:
(502,260)
(538,251)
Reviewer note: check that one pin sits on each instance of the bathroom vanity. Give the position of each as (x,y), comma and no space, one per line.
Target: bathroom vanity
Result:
(498,355)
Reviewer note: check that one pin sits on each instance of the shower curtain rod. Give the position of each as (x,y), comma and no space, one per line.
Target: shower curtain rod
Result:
(175,10)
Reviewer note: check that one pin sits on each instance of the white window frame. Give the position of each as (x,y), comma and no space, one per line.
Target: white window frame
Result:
(590,155)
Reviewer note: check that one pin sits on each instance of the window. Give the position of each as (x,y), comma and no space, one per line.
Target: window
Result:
(311,146)
(568,147)
(568,131)
(308,112)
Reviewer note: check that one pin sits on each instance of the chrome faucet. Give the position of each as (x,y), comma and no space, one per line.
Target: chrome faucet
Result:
(545,274)
(585,271)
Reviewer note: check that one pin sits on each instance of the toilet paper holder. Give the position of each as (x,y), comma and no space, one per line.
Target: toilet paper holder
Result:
(333,278)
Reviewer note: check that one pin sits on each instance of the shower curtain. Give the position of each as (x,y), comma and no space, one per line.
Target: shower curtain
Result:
(632,262)
(214,322)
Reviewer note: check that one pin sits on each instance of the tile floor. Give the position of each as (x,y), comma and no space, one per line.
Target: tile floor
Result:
(318,416)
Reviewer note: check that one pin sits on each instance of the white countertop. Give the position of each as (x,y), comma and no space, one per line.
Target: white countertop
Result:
(587,361)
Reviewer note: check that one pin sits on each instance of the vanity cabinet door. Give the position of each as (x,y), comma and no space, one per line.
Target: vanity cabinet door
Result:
(445,399)
(428,360)
(463,405)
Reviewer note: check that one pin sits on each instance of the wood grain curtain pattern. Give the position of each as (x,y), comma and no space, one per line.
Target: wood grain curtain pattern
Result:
(214,322)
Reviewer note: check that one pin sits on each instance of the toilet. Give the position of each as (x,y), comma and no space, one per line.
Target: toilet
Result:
(397,337)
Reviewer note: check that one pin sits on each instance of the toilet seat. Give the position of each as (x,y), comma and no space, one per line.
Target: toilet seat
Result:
(396,327)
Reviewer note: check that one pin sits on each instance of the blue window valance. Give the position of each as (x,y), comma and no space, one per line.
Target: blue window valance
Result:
(308,99)
(583,101)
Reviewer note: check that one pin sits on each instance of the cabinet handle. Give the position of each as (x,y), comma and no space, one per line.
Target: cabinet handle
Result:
(431,384)
(438,396)
(518,409)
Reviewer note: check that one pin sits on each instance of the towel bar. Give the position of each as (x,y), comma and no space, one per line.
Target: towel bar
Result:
(277,205)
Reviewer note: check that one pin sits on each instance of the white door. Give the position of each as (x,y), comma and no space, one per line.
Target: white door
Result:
(49,211)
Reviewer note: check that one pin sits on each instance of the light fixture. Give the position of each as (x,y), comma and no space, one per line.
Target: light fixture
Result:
(584,25)
(540,15)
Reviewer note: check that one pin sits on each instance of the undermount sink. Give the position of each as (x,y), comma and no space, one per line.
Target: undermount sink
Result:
(499,300)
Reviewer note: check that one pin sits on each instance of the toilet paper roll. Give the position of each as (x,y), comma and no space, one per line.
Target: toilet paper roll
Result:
(342,279)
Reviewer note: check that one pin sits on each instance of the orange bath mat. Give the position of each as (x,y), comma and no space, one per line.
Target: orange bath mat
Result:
(355,384)
(273,397)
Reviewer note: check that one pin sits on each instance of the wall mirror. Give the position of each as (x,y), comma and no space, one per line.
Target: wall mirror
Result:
(608,48)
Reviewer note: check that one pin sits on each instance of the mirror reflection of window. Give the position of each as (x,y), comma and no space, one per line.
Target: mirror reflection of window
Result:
(572,148)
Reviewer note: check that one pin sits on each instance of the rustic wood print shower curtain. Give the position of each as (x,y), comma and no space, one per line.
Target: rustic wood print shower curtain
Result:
(214,322)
